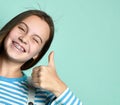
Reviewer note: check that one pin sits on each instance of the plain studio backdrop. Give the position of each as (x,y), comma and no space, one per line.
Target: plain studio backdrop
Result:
(86,44)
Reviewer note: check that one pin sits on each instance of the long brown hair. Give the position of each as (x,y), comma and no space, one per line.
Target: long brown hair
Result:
(17,19)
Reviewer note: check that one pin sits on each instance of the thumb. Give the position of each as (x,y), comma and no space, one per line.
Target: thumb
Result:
(51,59)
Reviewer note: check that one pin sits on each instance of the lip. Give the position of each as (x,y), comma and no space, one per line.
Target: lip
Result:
(18,46)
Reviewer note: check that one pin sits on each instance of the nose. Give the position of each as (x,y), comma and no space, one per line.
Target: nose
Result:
(23,39)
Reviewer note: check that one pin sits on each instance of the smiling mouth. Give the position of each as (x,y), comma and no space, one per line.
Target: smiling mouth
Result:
(19,47)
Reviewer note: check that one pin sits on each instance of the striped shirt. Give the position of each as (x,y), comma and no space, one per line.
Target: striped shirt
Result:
(14,91)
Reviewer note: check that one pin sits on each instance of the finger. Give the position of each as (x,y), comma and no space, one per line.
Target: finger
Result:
(35,71)
(37,85)
(51,59)
(35,75)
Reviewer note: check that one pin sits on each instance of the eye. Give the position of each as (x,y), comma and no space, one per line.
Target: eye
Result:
(21,28)
(36,40)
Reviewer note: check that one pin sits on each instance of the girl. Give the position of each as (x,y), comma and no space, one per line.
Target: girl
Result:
(23,42)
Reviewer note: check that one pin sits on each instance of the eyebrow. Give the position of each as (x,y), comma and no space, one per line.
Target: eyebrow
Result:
(34,34)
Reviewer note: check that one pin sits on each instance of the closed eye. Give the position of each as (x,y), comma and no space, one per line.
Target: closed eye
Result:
(36,40)
(22,29)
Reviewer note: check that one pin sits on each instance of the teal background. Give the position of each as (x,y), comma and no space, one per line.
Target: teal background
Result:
(86,44)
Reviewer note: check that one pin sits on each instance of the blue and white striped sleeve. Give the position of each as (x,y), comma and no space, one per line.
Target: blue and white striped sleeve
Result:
(67,98)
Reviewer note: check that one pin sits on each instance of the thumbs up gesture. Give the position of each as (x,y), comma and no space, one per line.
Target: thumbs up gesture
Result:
(46,77)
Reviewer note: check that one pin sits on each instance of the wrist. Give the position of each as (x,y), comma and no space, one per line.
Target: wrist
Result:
(60,89)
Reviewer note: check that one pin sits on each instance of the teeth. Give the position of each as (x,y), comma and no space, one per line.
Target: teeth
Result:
(19,47)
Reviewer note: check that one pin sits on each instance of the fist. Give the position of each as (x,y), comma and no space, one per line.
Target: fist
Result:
(46,77)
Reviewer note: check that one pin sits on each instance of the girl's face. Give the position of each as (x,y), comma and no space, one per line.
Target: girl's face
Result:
(26,39)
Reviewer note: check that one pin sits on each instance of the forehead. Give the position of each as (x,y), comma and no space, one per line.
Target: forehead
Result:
(37,26)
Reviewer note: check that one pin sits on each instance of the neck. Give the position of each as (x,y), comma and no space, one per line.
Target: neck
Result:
(9,69)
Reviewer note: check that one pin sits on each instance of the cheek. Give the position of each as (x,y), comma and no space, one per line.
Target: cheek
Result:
(14,33)
(7,41)
(34,49)
(10,36)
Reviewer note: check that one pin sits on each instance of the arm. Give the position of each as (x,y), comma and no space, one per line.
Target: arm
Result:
(67,98)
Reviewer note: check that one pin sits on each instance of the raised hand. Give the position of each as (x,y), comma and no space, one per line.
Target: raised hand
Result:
(46,77)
